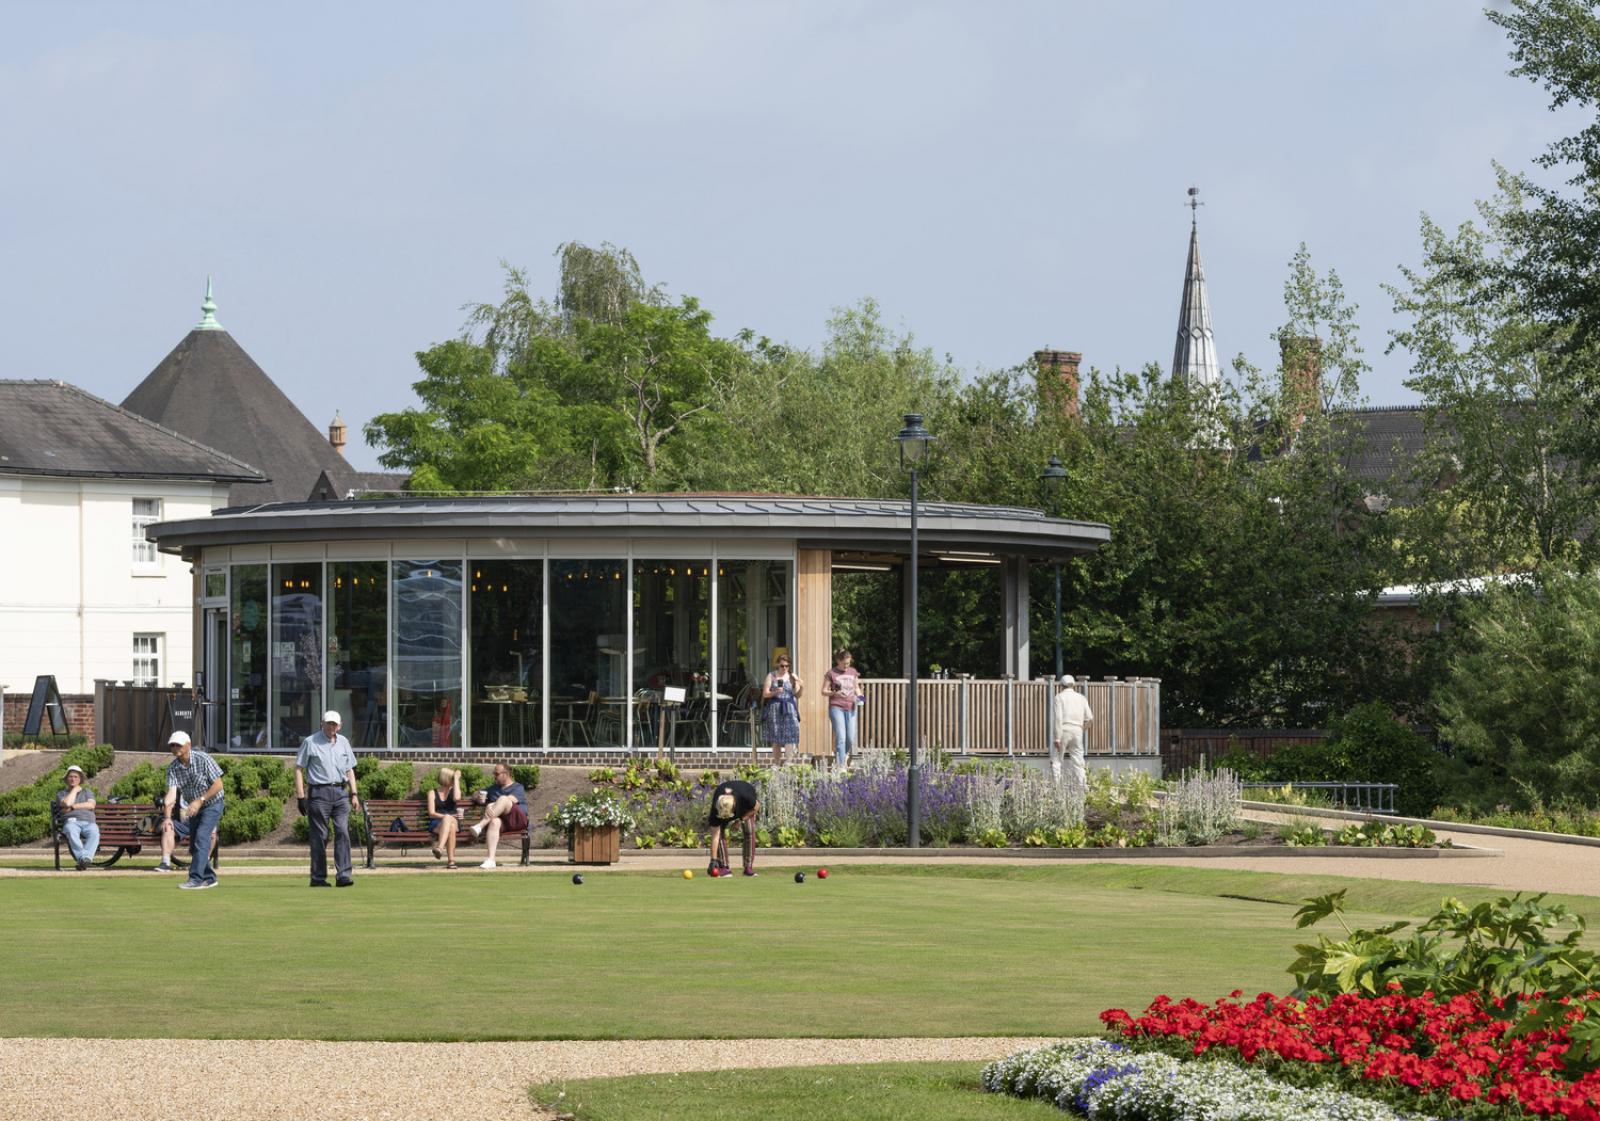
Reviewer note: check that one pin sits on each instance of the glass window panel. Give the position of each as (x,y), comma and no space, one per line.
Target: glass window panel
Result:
(753,626)
(247,666)
(296,651)
(146,513)
(358,649)
(146,659)
(216,585)
(672,648)
(588,651)
(427,653)
(507,598)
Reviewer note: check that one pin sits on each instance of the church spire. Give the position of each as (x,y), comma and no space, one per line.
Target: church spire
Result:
(1194,359)
(208,313)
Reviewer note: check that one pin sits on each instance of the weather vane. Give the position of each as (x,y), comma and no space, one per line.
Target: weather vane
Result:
(1194,202)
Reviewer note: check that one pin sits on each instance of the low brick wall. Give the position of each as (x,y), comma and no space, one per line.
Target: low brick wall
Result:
(79,709)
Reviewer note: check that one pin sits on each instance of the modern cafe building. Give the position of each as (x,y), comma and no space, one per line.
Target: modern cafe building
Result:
(555,625)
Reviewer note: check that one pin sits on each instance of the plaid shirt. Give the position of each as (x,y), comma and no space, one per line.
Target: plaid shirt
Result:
(194,780)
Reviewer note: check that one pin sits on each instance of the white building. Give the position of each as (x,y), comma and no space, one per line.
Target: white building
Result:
(83,595)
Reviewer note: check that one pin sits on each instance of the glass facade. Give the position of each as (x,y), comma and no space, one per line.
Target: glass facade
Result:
(589,651)
(296,652)
(247,661)
(358,649)
(453,653)
(425,614)
(507,629)
(672,651)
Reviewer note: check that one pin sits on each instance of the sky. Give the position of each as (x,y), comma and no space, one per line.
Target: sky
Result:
(1000,177)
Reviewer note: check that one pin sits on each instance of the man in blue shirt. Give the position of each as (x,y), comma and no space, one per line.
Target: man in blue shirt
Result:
(327,766)
(195,777)
(505,806)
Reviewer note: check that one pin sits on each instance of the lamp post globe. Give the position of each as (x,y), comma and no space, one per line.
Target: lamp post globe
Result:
(914,441)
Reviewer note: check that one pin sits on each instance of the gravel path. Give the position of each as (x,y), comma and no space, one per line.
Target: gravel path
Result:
(287,1080)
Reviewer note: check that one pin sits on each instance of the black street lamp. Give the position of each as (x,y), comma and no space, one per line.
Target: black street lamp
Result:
(913,440)
(1053,476)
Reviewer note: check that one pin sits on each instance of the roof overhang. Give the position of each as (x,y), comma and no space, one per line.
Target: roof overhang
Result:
(862,526)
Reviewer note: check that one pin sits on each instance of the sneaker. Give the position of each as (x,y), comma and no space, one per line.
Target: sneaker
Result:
(82,864)
(164,866)
(749,872)
(344,883)
(488,864)
(197,885)
(477,830)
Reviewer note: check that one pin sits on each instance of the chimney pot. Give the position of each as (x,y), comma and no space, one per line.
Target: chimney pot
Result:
(336,433)
(1058,378)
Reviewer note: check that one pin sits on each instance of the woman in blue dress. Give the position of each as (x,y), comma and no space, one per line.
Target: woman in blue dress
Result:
(780,709)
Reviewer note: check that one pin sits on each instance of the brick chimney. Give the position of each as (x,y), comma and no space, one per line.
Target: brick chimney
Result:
(1302,378)
(336,432)
(1058,379)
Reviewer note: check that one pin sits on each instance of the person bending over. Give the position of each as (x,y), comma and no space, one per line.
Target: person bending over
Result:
(732,801)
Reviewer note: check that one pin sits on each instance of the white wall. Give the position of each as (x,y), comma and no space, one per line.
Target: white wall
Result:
(71,595)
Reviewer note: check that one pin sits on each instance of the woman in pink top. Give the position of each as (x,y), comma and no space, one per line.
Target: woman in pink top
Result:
(842,686)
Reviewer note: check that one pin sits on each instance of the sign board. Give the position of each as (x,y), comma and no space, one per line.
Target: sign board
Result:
(180,710)
(674,694)
(46,698)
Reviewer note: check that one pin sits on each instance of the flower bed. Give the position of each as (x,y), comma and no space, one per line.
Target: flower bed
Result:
(1095,1078)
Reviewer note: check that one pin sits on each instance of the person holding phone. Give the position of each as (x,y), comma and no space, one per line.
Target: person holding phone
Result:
(780,709)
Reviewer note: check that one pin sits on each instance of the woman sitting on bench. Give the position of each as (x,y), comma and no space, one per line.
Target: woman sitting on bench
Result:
(444,815)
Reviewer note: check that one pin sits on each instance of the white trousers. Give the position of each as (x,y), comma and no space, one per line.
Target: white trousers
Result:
(1069,744)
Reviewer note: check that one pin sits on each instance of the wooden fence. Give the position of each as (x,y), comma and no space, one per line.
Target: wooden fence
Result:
(1182,749)
(139,717)
(969,715)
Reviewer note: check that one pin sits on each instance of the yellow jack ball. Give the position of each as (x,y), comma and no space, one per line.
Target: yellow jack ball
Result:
(688,873)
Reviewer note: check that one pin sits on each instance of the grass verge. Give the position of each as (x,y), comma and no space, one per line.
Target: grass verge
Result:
(871,1092)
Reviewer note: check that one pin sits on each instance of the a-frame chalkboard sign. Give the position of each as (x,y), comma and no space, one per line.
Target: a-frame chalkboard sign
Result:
(46,698)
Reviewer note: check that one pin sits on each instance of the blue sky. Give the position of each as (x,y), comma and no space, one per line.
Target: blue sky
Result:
(998,176)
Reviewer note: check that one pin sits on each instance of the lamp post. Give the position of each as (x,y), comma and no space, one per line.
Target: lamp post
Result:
(1053,476)
(913,440)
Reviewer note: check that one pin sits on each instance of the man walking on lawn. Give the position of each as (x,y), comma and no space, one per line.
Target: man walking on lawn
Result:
(327,765)
(505,806)
(195,777)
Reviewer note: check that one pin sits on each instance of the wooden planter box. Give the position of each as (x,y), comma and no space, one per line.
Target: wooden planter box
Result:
(602,845)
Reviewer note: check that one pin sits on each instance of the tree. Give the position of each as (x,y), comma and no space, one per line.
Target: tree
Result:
(1509,478)
(1520,706)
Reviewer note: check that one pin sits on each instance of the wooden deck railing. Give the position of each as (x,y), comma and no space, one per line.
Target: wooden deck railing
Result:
(1010,717)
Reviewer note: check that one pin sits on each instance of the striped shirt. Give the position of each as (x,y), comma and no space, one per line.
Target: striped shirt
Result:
(194,780)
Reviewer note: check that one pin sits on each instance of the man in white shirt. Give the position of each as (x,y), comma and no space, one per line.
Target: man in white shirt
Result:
(1071,711)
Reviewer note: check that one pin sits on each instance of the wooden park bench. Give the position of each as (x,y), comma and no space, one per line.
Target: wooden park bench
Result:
(384,814)
(125,828)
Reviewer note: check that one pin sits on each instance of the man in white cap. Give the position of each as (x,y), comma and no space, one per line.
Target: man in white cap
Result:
(1071,712)
(194,777)
(324,787)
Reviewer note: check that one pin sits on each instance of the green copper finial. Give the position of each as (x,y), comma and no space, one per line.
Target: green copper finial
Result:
(208,318)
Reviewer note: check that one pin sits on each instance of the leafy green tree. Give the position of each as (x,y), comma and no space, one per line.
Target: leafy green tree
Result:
(1520,707)
(1509,478)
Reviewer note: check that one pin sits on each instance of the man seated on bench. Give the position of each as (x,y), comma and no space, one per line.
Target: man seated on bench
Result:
(505,806)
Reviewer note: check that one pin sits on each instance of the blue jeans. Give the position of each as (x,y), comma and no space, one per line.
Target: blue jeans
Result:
(83,837)
(199,828)
(844,731)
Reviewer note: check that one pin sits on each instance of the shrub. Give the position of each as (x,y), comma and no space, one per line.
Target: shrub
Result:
(301,830)
(25,811)
(526,773)
(24,828)
(248,819)
(1207,805)
(46,741)
(145,783)
(391,782)
(1302,834)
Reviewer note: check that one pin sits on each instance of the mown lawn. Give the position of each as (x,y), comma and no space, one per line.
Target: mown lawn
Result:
(873,951)
(873,1092)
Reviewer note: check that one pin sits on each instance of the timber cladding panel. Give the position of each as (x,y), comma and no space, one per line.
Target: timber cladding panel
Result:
(813,654)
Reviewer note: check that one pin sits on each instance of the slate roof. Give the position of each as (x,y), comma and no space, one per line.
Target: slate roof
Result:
(52,428)
(1391,439)
(210,390)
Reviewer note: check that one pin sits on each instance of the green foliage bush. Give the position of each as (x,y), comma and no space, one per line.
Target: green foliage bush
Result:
(16,741)
(301,830)
(393,781)
(256,788)
(145,783)
(24,828)
(473,779)
(527,774)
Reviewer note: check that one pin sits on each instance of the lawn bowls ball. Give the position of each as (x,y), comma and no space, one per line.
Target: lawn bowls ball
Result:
(799,877)
(577,877)
(688,873)
(822,873)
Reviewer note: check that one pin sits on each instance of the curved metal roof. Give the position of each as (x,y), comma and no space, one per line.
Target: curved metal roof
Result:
(861,525)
